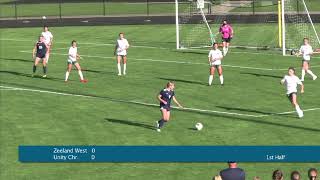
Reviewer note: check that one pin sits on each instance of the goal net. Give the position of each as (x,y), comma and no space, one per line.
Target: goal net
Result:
(193,28)
(297,25)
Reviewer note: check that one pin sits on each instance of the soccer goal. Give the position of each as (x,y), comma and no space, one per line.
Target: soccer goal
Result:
(192,27)
(296,24)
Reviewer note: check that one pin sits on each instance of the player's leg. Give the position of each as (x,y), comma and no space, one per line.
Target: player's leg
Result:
(119,64)
(69,67)
(308,70)
(44,63)
(77,65)
(165,116)
(296,105)
(36,62)
(227,45)
(48,53)
(212,70)
(224,49)
(304,69)
(124,65)
(220,74)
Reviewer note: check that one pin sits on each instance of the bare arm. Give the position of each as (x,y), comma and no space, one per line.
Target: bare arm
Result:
(161,100)
(34,51)
(176,101)
(302,88)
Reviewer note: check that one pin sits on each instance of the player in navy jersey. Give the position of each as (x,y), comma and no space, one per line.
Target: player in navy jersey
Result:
(39,53)
(165,96)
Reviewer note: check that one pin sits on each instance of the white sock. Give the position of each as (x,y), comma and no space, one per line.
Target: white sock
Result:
(311,73)
(210,79)
(67,76)
(119,68)
(303,73)
(299,111)
(221,79)
(80,74)
(124,68)
(224,51)
(227,49)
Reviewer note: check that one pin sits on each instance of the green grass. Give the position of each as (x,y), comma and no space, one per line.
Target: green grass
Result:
(94,8)
(33,118)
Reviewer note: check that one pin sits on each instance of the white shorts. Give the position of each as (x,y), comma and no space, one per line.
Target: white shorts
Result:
(216,63)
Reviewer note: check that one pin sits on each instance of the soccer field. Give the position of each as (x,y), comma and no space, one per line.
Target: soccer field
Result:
(251,109)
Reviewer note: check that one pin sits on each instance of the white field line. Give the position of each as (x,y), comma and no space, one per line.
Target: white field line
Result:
(151,104)
(289,112)
(147,47)
(126,101)
(176,62)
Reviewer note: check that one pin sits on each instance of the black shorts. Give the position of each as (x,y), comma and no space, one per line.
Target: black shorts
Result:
(41,56)
(226,39)
(165,107)
(290,96)
(306,62)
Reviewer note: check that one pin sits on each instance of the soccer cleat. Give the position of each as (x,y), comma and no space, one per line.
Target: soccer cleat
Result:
(315,77)
(300,114)
(158,130)
(44,76)
(84,81)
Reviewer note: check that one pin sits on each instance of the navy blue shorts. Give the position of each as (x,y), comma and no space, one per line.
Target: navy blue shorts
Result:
(165,107)
(41,56)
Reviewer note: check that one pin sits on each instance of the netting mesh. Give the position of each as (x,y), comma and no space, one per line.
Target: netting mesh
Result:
(298,25)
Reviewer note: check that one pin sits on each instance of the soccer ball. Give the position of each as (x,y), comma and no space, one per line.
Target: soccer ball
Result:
(43,17)
(199,126)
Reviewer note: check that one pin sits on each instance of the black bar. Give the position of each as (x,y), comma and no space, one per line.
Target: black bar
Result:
(15,10)
(60,11)
(253,4)
(104,7)
(147,7)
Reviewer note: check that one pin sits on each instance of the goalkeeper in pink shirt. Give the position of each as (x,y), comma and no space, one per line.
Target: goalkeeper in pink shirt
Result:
(226,32)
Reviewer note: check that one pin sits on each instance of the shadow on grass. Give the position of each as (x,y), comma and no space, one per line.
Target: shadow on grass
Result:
(130,123)
(30,76)
(17,59)
(262,75)
(256,120)
(184,81)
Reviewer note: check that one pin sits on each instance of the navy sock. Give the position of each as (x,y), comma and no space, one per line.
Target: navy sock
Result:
(34,68)
(44,69)
(161,123)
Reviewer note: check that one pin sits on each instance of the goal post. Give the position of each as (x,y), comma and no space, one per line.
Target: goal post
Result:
(296,25)
(192,27)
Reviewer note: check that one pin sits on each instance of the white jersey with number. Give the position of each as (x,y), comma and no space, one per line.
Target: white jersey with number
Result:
(72,54)
(122,45)
(47,37)
(291,83)
(306,51)
(215,54)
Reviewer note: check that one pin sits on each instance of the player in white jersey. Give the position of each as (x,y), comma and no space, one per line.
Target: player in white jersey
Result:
(215,56)
(48,39)
(291,81)
(73,56)
(306,51)
(121,52)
